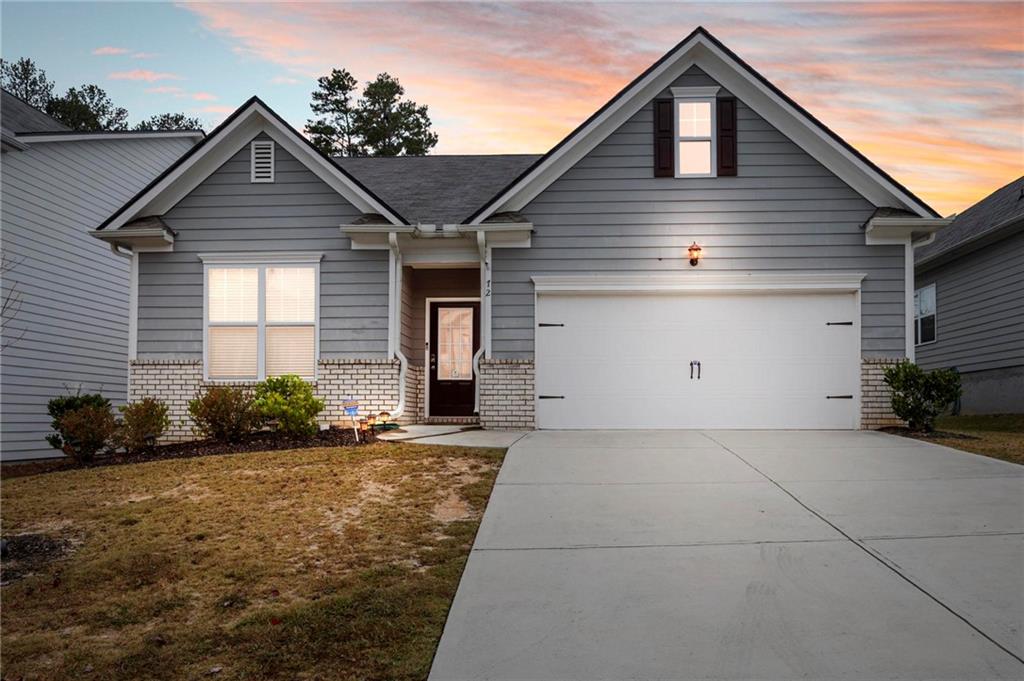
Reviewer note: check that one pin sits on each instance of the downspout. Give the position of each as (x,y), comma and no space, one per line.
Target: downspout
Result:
(395,323)
(133,305)
(485,316)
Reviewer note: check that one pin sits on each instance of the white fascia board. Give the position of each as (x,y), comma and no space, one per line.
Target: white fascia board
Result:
(898,230)
(43,138)
(229,141)
(734,78)
(142,240)
(261,258)
(707,282)
(805,133)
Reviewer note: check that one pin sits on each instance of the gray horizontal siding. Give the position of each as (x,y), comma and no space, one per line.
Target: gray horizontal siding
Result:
(72,326)
(297,212)
(979,309)
(783,212)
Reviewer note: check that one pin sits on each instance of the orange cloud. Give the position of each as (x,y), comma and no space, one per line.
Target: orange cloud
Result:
(930,91)
(143,74)
(108,51)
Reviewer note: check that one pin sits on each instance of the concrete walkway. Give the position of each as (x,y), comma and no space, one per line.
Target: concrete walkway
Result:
(463,436)
(742,555)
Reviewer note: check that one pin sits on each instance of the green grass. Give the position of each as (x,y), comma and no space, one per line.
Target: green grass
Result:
(325,563)
(1000,436)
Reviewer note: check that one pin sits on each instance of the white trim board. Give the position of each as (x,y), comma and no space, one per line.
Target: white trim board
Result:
(42,138)
(701,281)
(700,50)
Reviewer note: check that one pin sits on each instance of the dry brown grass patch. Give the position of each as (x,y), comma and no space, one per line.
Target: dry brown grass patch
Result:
(329,563)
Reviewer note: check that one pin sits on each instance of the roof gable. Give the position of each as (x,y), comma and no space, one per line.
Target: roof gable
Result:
(702,49)
(249,120)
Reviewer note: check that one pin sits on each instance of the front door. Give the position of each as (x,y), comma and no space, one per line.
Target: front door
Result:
(454,340)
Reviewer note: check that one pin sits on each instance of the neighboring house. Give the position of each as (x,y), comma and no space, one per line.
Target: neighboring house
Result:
(969,302)
(67,328)
(553,291)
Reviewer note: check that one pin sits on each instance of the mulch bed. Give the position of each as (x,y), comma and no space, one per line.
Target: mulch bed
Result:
(263,441)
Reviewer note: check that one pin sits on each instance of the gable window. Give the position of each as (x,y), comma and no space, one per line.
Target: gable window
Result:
(695,130)
(924,315)
(261,318)
(261,161)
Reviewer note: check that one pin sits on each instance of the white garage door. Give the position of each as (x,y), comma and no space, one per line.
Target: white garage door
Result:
(697,360)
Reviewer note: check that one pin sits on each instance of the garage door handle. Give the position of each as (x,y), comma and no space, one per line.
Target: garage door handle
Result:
(695,363)
(838,323)
(550,397)
(838,397)
(543,324)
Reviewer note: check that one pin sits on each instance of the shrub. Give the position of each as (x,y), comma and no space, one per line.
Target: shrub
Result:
(59,407)
(142,424)
(86,431)
(224,413)
(288,400)
(918,396)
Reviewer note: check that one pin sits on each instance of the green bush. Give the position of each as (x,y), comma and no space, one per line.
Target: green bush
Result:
(142,424)
(918,396)
(59,407)
(87,430)
(224,413)
(288,401)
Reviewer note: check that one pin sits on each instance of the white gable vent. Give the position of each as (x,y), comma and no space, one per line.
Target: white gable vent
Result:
(262,164)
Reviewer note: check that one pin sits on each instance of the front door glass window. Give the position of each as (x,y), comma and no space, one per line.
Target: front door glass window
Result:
(455,343)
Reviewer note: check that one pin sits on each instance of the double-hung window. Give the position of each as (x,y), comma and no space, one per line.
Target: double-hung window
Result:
(924,315)
(261,316)
(695,131)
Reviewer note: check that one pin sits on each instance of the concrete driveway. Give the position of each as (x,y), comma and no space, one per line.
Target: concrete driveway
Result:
(742,555)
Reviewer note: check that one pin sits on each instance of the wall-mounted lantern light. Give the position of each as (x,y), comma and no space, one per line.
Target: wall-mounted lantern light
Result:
(694,252)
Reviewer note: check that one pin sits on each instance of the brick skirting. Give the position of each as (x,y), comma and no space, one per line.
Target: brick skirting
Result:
(374,382)
(506,394)
(875,401)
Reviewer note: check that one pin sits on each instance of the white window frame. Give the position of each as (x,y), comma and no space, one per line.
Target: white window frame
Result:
(252,161)
(695,95)
(260,262)
(917,319)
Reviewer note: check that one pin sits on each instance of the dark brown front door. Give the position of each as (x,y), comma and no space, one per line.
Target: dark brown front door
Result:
(454,339)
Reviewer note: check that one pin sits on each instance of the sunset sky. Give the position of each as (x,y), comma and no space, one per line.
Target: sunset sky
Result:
(932,92)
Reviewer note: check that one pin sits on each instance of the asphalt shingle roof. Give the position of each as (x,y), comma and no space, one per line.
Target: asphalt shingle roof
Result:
(20,117)
(437,189)
(993,211)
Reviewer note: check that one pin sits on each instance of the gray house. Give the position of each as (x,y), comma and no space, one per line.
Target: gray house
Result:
(66,327)
(700,252)
(969,302)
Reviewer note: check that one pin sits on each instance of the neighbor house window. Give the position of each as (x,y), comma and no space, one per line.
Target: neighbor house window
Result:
(695,131)
(261,320)
(924,315)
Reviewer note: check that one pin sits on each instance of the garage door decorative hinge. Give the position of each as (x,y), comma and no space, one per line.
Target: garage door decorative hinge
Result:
(542,324)
(550,397)
(838,323)
(838,397)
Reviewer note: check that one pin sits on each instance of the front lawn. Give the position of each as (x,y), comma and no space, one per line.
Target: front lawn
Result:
(1000,436)
(314,564)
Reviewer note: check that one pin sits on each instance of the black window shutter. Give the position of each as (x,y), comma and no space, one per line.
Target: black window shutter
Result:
(664,139)
(726,136)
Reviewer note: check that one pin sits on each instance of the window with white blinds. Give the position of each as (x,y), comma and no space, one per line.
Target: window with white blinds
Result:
(261,321)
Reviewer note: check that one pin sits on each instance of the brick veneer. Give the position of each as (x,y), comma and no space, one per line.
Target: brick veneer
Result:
(506,394)
(875,403)
(174,382)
